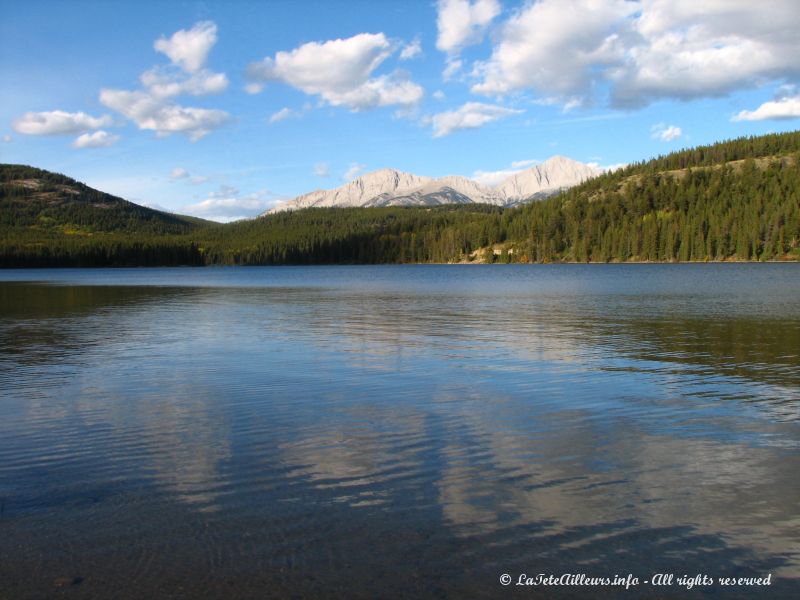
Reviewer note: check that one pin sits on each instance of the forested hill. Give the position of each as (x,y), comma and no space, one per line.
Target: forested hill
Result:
(736,200)
(34,198)
(776,144)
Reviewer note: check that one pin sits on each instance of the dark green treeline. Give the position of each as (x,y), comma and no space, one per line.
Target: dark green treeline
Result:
(737,200)
(736,211)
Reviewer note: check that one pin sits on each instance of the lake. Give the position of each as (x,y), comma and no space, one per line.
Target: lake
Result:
(399,431)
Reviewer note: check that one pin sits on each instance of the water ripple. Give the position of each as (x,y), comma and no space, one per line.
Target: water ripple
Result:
(235,431)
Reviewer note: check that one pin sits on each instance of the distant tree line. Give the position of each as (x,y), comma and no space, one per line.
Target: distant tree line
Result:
(737,200)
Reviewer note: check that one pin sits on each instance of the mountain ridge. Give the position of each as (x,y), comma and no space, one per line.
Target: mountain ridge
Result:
(735,200)
(390,187)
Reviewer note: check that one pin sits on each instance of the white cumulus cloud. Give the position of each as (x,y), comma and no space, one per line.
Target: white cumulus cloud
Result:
(153,107)
(340,71)
(782,108)
(386,90)
(151,113)
(322,170)
(98,139)
(665,133)
(688,49)
(189,49)
(167,83)
(336,66)
(58,122)
(636,52)
(469,116)
(554,46)
(461,23)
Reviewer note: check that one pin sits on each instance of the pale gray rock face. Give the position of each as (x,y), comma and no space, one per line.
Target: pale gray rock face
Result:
(553,175)
(388,187)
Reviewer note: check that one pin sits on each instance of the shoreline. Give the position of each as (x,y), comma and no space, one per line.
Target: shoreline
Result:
(464,263)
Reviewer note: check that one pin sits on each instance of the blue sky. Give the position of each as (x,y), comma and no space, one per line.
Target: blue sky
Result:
(222,109)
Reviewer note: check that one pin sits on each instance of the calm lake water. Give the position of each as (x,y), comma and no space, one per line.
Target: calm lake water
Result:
(398,431)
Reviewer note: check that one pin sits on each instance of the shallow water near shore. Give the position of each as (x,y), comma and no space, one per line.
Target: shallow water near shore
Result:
(398,431)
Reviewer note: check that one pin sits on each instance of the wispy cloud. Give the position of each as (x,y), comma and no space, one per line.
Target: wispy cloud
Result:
(181,174)
(607,168)
(281,115)
(665,133)
(322,169)
(289,113)
(353,171)
(524,164)
(468,116)
(493,178)
(411,50)
(228,204)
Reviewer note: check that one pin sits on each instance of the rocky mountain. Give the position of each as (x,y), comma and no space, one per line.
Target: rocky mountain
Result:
(362,191)
(388,187)
(553,175)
